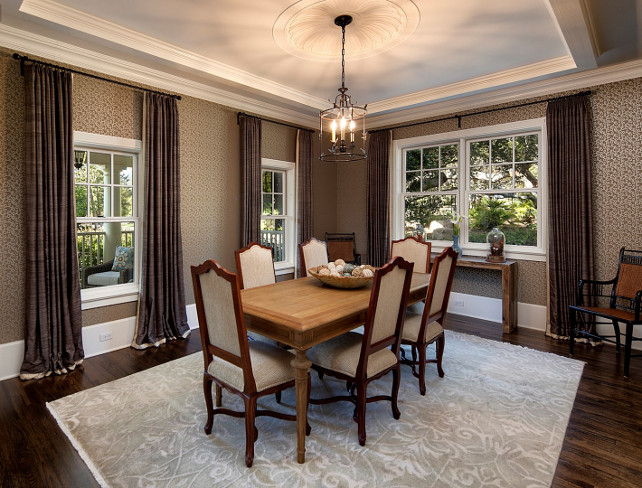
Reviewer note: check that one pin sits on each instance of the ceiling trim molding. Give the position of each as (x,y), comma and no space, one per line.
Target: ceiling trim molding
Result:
(573,22)
(486,82)
(60,52)
(573,81)
(103,29)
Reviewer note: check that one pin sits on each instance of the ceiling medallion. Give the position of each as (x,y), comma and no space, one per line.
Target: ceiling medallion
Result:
(307,30)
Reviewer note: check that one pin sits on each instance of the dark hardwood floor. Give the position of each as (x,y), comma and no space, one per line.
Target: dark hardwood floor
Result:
(602,448)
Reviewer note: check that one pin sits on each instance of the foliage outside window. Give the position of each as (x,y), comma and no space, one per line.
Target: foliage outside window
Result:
(483,178)
(106,216)
(277,215)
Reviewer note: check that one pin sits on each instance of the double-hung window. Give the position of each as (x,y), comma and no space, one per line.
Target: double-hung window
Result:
(278,229)
(107,178)
(479,178)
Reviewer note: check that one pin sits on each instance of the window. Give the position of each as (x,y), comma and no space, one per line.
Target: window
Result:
(491,176)
(106,174)
(278,229)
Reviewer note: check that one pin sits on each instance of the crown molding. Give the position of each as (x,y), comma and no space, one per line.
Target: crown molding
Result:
(486,82)
(573,81)
(103,29)
(61,52)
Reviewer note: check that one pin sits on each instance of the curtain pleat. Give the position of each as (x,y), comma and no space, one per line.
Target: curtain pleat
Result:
(161,309)
(570,207)
(378,195)
(250,129)
(305,206)
(53,341)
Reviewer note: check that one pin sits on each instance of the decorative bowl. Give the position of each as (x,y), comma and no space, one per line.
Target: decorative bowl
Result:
(341,281)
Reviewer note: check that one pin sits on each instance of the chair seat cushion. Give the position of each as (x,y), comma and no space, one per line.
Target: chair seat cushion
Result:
(411,326)
(341,354)
(105,278)
(270,366)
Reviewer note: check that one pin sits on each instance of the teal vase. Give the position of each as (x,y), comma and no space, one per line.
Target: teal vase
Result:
(456,247)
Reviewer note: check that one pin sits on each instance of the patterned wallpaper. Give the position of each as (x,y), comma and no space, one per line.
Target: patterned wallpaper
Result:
(211,182)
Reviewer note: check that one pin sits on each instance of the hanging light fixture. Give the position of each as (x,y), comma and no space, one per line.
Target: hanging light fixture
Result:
(345,121)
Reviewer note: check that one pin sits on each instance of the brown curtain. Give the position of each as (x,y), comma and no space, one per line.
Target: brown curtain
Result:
(250,128)
(53,340)
(161,308)
(378,195)
(304,167)
(570,207)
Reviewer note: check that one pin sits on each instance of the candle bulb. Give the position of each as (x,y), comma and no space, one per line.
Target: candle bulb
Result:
(343,129)
(333,127)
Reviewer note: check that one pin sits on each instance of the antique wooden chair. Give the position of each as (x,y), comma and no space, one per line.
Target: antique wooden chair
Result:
(413,250)
(360,359)
(420,330)
(312,252)
(617,301)
(342,246)
(255,265)
(248,369)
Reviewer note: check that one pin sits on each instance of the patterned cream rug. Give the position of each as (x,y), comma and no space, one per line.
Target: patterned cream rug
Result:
(496,419)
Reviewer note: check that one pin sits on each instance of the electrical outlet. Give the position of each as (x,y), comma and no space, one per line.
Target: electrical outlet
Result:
(105,336)
(458,303)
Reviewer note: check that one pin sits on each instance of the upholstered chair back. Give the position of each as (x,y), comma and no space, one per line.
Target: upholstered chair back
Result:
(414,251)
(443,271)
(255,265)
(312,253)
(388,299)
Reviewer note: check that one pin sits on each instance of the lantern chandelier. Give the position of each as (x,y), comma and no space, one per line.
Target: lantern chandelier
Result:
(344,121)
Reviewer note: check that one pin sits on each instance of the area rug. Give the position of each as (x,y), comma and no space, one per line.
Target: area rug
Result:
(497,418)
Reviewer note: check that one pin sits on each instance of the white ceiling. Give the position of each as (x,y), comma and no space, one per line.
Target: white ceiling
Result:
(406,54)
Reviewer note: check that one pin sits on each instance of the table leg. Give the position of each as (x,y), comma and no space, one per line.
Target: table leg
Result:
(510,282)
(301,365)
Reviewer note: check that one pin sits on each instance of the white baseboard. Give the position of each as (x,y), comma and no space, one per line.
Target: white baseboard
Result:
(121,333)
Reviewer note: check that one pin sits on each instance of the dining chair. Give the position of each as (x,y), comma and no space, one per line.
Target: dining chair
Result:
(618,301)
(312,253)
(249,369)
(413,250)
(342,246)
(255,265)
(420,330)
(362,358)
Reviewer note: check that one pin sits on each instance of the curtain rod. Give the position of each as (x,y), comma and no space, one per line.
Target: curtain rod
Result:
(459,117)
(24,59)
(238,115)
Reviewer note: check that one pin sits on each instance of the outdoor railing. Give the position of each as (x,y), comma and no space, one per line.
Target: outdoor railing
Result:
(276,240)
(91,247)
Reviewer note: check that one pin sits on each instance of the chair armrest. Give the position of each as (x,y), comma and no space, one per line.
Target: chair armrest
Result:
(590,290)
(636,305)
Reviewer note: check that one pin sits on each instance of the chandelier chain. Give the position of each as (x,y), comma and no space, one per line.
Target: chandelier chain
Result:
(343,56)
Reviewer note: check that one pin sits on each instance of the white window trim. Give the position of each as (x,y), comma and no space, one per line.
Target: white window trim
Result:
(538,253)
(286,267)
(125,292)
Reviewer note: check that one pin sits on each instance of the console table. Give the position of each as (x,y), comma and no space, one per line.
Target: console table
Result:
(509,286)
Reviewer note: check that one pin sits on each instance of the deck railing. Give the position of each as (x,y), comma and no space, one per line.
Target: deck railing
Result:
(276,240)
(91,246)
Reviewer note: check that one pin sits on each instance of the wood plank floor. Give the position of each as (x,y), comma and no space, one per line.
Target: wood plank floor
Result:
(602,448)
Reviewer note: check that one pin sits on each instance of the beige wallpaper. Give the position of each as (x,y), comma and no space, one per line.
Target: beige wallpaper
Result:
(211,182)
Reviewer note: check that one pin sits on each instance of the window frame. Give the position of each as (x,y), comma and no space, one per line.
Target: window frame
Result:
(289,194)
(463,139)
(124,292)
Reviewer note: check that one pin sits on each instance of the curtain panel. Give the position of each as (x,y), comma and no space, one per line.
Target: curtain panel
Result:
(250,132)
(378,197)
(305,206)
(570,208)
(161,307)
(53,342)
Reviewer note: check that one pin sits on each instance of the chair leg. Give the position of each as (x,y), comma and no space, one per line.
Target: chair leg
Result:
(616,328)
(361,413)
(627,348)
(207,391)
(440,346)
(396,380)
(250,430)
(219,393)
(422,368)
(572,321)
(278,396)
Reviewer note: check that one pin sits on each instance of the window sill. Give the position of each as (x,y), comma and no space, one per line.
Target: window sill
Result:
(512,255)
(283,268)
(108,295)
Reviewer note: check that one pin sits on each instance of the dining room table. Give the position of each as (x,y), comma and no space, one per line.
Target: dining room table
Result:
(303,312)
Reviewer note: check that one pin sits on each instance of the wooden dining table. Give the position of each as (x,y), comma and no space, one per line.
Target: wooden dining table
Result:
(304,312)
